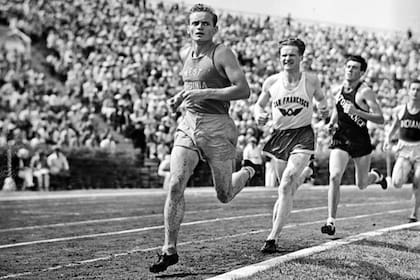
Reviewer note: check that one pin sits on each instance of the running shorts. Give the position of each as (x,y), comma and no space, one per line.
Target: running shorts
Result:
(355,148)
(283,143)
(409,150)
(213,136)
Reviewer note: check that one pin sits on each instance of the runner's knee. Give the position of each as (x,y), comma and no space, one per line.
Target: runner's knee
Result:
(397,183)
(176,189)
(362,184)
(335,179)
(223,196)
(288,184)
(398,180)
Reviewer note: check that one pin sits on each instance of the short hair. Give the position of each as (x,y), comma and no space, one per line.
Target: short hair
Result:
(296,42)
(358,58)
(203,8)
(414,81)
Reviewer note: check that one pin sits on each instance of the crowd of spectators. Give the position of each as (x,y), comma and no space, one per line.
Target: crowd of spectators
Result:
(118,63)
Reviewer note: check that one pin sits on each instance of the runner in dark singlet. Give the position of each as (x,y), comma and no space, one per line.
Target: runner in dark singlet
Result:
(355,105)
(352,134)
(407,120)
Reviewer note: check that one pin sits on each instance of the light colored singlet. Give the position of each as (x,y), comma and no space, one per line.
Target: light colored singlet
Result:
(290,108)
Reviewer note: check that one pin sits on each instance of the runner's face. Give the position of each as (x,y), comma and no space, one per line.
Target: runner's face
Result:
(353,71)
(289,57)
(414,92)
(201,27)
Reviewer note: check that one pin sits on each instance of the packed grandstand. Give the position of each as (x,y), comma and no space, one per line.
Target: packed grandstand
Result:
(97,74)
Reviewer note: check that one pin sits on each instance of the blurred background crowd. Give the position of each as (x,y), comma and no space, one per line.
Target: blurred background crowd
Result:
(98,73)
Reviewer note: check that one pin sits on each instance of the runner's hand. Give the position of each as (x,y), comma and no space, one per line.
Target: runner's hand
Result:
(263,118)
(386,146)
(175,102)
(324,113)
(332,128)
(349,108)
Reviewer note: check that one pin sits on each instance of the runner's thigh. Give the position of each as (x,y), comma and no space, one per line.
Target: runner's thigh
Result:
(183,163)
(361,168)
(338,162)
(222,173)
(400,172)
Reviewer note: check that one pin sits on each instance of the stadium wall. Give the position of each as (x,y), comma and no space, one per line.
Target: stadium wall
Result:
(96,169)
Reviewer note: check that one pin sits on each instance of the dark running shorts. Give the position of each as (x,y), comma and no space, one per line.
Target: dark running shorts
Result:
(355,148)
(283,143)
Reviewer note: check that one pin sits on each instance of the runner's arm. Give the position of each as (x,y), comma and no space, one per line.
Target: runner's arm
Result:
(375,114)
(260,115)
(394,127)
(321,101)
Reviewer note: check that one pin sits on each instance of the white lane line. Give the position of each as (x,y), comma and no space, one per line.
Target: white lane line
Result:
(250,270)
(118,219)
(5,196)
(99,193)
(139,250)
(70,238)
(96,221)
(135,230)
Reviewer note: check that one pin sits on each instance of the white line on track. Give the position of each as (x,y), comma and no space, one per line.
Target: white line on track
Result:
(250,270)
(16,196)
(70,238)
(144,229)
(96,221)
(13,196)
(118,219)
(139,250)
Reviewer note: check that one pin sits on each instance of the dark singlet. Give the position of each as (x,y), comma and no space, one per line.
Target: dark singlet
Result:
(200,73)
(353,126)
(410,126)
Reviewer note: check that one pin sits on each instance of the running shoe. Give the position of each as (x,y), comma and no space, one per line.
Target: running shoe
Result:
(412,220)
(269,247)
(382,180)
(164,260)
(250,168)
(328,229)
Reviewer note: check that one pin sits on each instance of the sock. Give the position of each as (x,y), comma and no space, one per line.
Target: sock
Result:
(331,221)
(378,176)
(169,251)
(250,170)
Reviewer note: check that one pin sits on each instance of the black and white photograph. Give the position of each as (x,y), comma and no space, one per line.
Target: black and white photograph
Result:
(209,139)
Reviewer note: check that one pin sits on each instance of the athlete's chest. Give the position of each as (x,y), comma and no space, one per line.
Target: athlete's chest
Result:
(351,97)
(198,69)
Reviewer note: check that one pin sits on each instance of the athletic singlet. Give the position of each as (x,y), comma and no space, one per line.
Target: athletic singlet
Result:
(200,73)
(354,126)
(290,108)
(410,126)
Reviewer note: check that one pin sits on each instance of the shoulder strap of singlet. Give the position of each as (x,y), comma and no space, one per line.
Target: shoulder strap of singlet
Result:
(355,91)
(358,86)
(213,52)
(212,60)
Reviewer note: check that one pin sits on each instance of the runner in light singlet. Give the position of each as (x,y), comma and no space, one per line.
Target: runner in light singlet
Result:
(355,105)
(407,120)
(292,143)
